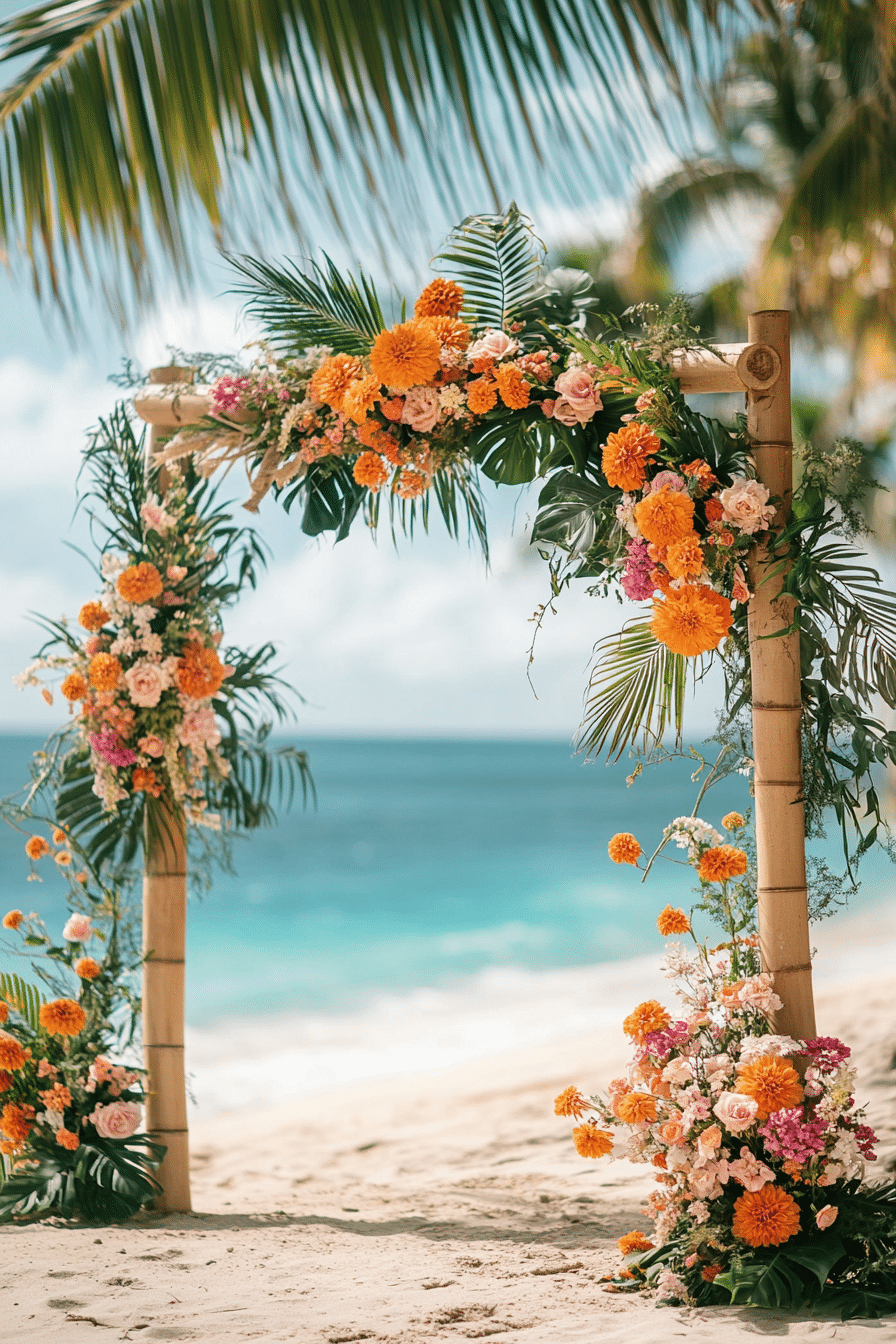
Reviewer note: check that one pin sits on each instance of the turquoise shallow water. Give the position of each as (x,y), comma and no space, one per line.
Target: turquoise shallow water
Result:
(424,863)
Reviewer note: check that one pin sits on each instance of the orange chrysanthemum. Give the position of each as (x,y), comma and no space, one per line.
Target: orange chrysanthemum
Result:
(684,559)
(671,921)
(665,516)
(93,616)
(722,863)
(591,1141)
(62,1017)
(104,672)
(440,298)
(482,395)
(766,1217)
(691,620)
(16,1122)
(626,455)
(637,1108)
(56,1098)
(714,511)
(200,671)
(371,470)
(85,968)
(360,397)
(513,387)
(145,781)
(571,1102)
(732,821)
(647,1017)
(634,1241)
(66,1139)
(12,1056)
(333,377)
(35,847)
(140,583)
(405,356)
(772,1082)
(452,333)
(701,471)
(13,918)
(624,848)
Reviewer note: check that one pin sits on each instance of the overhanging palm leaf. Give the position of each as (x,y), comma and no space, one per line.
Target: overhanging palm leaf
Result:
(637,689)
(123,119)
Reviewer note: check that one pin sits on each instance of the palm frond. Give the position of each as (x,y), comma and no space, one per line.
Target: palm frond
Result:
(498,260)
(315,306)
(636,689)
(24,998)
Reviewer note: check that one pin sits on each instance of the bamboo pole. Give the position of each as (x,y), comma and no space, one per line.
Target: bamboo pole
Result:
(776,684)
(164,947)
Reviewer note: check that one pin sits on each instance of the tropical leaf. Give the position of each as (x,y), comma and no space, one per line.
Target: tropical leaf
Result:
(506,449)
(104,1180)
(315,306)
(636,689)
(571,509)
(24,998)
(764,1283)
(498,260)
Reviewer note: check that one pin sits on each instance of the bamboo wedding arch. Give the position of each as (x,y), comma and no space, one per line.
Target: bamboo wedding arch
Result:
(760,368)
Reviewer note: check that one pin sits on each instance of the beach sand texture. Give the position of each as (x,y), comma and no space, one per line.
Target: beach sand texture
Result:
(438,1207)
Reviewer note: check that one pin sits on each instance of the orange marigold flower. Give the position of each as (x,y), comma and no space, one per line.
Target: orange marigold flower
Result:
(647,1017)
(329,384)
(634,1241)
(16,1122)
(684,559)
(691,620)
(637,1108)
(74,686)
(392,408)
(484,364)
(665,516)
(200,671)
(624,848)
(671,921)
(12,1056)
(714,511)
(62,1017)
(56,1098)
(140,583)
(709,1273)
(35,847)
(766,1217)
(104,672)
(360,397)
(13,918)
(722,863)
(772,1082)
(85,968)
(659,1160)
(145,781)
(571,1102)
(66,1139)
(513,387)
(591,1141)
(440,298)
(406,355)
(371,470)
(482,395)
(626,455)
(701,471)
(93,616)
(452,333)
(732,821)
(410,485)
(6,1080)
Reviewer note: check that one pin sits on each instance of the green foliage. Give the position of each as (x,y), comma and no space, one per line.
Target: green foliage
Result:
(498,260)
(103,1181)
(27,998)
(636,691)
(316,306)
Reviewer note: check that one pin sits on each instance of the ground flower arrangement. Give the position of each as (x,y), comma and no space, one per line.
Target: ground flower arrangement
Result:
(71,1113)
(759,1148)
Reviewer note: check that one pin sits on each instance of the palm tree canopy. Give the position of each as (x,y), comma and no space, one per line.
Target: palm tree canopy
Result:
(126,124)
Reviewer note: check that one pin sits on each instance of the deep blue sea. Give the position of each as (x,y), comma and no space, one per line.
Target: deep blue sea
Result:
(422,864)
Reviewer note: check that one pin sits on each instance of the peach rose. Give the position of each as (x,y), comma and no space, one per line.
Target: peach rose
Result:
(152,745)
(745,504)
(826,1216)
(145,682)
(421,409)
(579,389)
(710,1139)
(77,929)
(672,1133)
(569,414)
(118,1120)
(736,1111)
(493,345)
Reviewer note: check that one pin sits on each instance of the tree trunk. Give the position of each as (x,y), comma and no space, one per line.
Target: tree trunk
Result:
(776,683)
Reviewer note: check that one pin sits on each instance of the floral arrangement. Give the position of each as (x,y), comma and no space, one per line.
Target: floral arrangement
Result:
(70,1117)
(758,1145)
(159,709)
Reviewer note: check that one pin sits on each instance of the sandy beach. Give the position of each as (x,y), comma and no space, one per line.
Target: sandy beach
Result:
(434,1206)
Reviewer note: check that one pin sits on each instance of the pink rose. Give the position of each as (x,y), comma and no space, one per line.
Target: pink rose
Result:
(199,728)
(569,414)
(735,1111)
(77,929)
(118,1120)
(493,345)
(152,745)
(826,1216)
(579,389)
(145,682)
(745,504)
(421,409)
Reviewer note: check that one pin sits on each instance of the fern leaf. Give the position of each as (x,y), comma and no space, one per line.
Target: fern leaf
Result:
(637,687)
(498,259)
(320,306)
